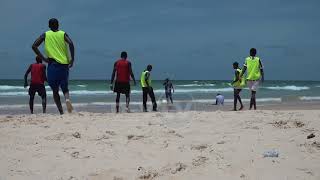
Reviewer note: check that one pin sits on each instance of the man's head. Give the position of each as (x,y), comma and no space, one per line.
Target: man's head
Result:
(124,55)
(253,52)
(149,67)
(54,24)
(167,79)
(235,65)
(38,59)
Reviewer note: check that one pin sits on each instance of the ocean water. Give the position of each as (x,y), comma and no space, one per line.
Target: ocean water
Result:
(97,92)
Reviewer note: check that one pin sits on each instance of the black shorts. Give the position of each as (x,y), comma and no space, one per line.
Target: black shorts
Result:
(123,88)
(37,88)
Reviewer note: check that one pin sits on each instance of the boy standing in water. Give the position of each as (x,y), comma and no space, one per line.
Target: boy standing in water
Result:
(147,88)
(122,69)
(168,89)
(38,77)
(255,74)
(237,83)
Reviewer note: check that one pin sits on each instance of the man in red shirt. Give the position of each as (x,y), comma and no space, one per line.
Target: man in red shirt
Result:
(38,77)
(122,69)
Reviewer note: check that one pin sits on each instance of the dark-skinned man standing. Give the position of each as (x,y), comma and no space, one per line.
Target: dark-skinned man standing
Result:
(56,44)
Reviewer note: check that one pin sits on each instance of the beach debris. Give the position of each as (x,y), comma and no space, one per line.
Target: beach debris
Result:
(199,161)
(112,133)
(221,142)
(311,136)
(147,174)
(271,153)
(316,144)
(75,154)
(178,167)
(200,147)
(298,124)
(281,124)
(242,176)
(72,178)
(9,117)
(76,135)
(133,137)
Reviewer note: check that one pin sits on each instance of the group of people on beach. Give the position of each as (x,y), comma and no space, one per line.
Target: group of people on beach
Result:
(58,45)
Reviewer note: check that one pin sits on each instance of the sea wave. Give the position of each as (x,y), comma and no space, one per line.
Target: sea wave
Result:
(196,85)
(290,88)
(82,85)
(7,87)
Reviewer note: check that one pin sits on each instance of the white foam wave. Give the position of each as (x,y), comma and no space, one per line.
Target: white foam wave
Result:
(7,87)
(309,98)
(290,88)
(82,85)
(196,85)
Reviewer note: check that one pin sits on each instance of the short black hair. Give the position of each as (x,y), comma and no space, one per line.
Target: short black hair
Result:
(149,66)
(253,52)
(235,64)
(124,55)
(38,59)
(53,23)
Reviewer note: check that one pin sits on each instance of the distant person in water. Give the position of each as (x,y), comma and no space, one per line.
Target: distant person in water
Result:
(56,49)
(237,83)
(219,99)
(122,69)
(38,77)
(147,89)
(168,87)
(255,75)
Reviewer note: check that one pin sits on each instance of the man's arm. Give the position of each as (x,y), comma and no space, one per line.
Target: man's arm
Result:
(45,73)
(36,45)
(71,48)
(237,77)
(113,73)
(261,71)
(131,73)
(244,69)
(146,77)
(26,76)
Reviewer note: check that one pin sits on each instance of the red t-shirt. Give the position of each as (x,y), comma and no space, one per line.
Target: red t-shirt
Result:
(123,71)
(37,76)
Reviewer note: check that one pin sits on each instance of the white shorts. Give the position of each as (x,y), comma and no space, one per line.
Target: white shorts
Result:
(253,85)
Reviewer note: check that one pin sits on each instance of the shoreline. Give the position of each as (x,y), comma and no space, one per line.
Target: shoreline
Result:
(178,106)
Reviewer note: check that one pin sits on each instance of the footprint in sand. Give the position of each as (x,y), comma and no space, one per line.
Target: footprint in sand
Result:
(134,137)
(200,160)
(200,147)
(175,168)
(112,133)
(57,137)
(147,174)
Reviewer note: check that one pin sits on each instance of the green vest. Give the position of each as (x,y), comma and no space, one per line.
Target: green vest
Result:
(56,47)
(241,82)
(253,68)
(143,79)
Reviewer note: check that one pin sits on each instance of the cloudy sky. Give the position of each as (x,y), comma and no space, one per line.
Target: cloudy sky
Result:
(182,39)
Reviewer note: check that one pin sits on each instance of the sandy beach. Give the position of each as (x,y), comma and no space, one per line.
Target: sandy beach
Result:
(182,145)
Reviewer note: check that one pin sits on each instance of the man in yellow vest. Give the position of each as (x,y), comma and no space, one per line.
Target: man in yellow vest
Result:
(57,56)
(255,74)
(147,88)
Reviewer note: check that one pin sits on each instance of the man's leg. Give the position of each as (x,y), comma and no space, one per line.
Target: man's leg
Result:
(239,98)
(153,99)
(127,101)
(31,103)
(44,103)
(254,99)
(64,78)
(170,96)
(117,102)
(235,98)
(56,98)
(31,100)
(145,98)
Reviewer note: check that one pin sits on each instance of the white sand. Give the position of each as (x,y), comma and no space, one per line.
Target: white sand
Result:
(190,145)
